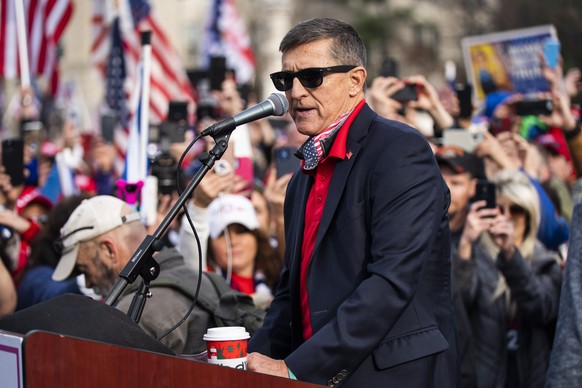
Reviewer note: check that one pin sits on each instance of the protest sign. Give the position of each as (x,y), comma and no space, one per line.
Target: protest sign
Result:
(508,60)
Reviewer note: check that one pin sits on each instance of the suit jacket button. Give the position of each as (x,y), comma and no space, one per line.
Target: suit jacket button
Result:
(335,380)
(344,373)
(330,383)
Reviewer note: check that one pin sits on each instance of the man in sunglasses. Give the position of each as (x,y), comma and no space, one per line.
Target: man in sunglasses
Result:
(365,296)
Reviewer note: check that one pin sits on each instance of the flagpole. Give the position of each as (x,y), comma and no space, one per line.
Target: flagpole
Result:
(22,44)
(145,101)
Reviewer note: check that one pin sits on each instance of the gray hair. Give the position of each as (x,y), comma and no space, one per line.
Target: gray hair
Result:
(347,46)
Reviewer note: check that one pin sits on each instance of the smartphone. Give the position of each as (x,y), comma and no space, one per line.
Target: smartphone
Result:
(552,52)
(408,93)
(217,72)
(108,123)
(534,107)
(464,95)
(485,191)
(389,68)
(174,128)
(285,161)
(461,138)
(178,111)
(31,133)
(13,160)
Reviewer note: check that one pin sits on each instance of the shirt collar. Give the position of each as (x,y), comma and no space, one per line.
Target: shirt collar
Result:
(322,145)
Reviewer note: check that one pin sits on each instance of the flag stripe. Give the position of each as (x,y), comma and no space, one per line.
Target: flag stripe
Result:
(45,21)
(226,36)
(168,80)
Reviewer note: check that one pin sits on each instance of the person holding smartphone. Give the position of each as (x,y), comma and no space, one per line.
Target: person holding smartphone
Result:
(419,106)
(510,285)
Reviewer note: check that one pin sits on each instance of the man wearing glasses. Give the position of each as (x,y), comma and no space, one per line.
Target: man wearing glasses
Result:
(365,295)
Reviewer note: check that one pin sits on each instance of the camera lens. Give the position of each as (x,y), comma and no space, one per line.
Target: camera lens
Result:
(5,233)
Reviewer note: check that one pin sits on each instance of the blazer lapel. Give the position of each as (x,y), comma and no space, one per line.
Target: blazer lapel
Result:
(358,130)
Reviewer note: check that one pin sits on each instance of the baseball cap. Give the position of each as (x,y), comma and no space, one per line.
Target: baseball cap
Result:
(93,217)
(231,209)
(30,195)
(460,160)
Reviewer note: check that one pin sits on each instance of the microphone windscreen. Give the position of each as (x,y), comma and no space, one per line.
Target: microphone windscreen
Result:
(280,102)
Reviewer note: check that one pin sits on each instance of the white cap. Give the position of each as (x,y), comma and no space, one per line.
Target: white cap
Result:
(93,217)
(231,209)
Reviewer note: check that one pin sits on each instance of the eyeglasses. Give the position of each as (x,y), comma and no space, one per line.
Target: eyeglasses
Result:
(513,209)
(309,78)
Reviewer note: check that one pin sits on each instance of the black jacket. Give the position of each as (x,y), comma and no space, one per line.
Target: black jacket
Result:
(535,288)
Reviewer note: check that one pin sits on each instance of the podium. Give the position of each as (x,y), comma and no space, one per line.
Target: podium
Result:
(53,360)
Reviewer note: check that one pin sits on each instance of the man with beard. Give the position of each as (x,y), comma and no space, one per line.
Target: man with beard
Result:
(99,239)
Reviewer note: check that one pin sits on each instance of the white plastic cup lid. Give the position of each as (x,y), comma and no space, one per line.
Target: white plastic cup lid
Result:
(227,333)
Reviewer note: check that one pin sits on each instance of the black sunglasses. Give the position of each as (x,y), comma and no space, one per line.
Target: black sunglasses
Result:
(309,78)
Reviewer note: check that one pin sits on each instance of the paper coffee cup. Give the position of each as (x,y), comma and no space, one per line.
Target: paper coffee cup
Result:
(227,346)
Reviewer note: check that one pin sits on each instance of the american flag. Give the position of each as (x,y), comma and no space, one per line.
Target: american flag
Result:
(115,75)
(168,77)
(45,22)
(116,49)
(226,36)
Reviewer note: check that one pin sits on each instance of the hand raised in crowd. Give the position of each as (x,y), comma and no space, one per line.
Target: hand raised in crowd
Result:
(275,191)
(380,94)
(11,219)
(492,151)
(211,186)
(429,101)
(7,292)
(502,231)
(479,219)
(512,146)
(103,155)
(10,192)
(561,116)
(29,110)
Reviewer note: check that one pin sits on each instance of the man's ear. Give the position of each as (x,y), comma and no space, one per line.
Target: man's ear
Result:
(109,251)
(357,78)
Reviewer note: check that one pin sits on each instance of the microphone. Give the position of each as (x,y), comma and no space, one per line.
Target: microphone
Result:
(276,104)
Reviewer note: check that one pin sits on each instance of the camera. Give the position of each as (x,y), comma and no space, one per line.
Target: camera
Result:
(174,128)
(164,168)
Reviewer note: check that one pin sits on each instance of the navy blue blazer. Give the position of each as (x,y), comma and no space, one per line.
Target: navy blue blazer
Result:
(379,279)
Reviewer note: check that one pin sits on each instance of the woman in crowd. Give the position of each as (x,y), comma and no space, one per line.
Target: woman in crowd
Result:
(233,244)
(510,285)
(240,250)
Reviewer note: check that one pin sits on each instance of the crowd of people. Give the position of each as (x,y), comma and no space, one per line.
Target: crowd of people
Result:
(395,253)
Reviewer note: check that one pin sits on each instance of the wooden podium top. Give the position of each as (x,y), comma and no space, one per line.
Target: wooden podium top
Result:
(52,360)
